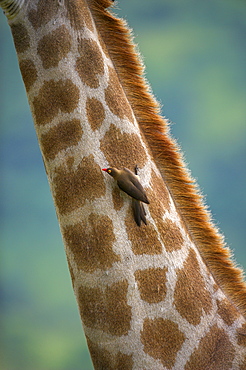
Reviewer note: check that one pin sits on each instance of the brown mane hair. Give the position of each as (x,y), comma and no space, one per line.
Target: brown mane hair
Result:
(117,38)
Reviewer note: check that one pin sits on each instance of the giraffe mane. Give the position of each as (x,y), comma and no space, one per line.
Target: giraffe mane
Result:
(118,40)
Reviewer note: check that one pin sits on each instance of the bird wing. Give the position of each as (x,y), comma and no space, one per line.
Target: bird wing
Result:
(129,188)
(135,187)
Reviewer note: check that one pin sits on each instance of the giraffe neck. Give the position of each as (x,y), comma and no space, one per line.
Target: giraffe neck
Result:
(147,296)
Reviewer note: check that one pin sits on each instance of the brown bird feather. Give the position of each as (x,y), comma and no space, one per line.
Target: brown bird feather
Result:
(129,183)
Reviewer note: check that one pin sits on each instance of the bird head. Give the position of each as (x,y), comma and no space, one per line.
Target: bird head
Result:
(111,171)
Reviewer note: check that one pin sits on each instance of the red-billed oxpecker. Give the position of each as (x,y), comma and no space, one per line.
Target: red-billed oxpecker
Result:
(129,183)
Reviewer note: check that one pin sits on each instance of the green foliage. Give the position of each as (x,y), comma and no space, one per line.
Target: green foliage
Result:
(194,51)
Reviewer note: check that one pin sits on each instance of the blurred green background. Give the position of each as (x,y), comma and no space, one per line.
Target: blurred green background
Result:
(195,56)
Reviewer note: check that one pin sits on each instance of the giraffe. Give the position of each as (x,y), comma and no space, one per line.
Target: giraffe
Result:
(165,295)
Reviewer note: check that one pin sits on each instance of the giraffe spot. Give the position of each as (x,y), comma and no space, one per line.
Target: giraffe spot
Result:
(29,73)
(241,335)
(103,45)
(106,310)
(103,359)
(54,47)
(54,97)
(162,340)
(78,14)
(171,235)
(243,364)
(117,198)
(64,135)
(227,312)
(144,239)
(123,362)
(21,37)
(159,195)
(74,186)
(215,351)
(46,10)
(116,99)
(152,284)
(95,113)
(90,63)
(128,149)
(191,297)
(91,243)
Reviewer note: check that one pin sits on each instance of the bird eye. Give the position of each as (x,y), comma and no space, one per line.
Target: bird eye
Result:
(109,171)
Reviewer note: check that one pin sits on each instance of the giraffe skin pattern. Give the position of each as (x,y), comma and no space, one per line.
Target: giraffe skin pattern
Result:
(146,297)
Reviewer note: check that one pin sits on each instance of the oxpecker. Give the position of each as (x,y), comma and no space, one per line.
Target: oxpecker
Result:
(129,183)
